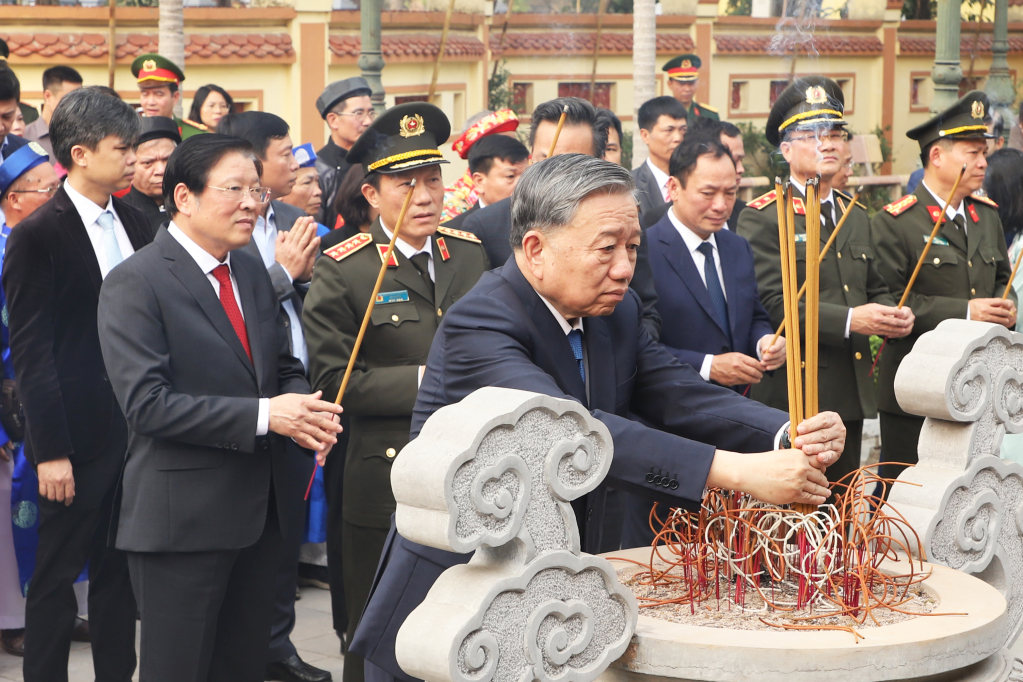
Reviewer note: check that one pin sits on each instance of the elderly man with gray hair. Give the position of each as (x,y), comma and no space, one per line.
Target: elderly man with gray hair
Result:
(559,319)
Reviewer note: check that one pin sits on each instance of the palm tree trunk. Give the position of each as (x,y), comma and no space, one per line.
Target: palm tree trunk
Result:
(644,58)
(172,36)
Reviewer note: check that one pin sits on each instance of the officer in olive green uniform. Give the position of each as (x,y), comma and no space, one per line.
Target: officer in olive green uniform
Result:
(155,71)
(967,262)
(401,143)
(806,121)
(683,77)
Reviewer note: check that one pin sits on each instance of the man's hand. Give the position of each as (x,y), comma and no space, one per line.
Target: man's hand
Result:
(7,451)
(321,455)
(296,249)
(882,320)
(773,357)
(997,310)
(778,477)
(305,418)
(733,369)
(822,437)
(57,480)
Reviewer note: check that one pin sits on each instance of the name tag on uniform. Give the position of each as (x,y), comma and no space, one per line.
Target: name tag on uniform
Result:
(392,297)
(801,237)
(939,241)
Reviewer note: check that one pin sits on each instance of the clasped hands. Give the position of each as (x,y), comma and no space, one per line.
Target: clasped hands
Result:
(788,476)
(296,249)
(735,369)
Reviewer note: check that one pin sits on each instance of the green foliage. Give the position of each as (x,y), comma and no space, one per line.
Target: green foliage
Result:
(762,157)
(739,8)
(499,94)
(627,148)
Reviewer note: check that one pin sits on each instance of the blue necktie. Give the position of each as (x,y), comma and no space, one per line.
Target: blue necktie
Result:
(717,293)
(113,251)
(575,339)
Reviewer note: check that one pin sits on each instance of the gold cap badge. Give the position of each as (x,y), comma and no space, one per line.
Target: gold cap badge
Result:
(149,65)
(816,95)
(686,64)
(410,126)
(977,110)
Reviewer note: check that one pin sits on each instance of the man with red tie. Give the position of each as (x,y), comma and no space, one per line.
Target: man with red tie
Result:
(200,362)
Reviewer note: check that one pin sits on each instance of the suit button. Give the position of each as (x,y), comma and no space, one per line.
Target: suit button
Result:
(859,355)
(846,287)
(264,444)
(973,292)
(937,260)
(394,318)
(219,445)
(391,452)
(440,313)
(673,485)
(234,446)
(839,254)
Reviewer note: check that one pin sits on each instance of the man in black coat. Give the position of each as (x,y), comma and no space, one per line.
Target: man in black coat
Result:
(202,367)
(156,143)
(580,135)
(559,319)
(346,108)
(56,261)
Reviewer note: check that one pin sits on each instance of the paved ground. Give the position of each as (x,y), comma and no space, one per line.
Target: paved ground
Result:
(313,636)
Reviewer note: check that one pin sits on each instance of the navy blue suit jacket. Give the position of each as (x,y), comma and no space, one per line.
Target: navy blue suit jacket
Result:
(688,327)
(502,334)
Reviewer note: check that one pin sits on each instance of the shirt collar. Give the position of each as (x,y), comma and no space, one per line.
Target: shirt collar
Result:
(206,261)
(660,176)
(408,250)
(831,196)
(270,221)
(566,326)
(691,239)
(480,202)
(948,209)
(88,210)
(3,145)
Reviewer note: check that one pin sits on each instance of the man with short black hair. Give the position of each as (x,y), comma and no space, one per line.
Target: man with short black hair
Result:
(76,435)
(662,126)
(347,109)
(612,127)
(495,163)
(57,82)
(157,142)
(217,405)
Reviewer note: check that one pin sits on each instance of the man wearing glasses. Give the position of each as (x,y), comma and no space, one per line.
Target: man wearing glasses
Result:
(346,107)
(806,123)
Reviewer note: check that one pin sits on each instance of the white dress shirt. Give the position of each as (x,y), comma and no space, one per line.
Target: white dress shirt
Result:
(208,263)
(660,177)
(264,234)
(90,213)
(408,250)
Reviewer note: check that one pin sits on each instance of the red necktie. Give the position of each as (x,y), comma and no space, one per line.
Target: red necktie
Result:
(223,275)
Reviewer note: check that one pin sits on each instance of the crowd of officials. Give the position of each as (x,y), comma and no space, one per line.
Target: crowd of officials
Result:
(181,299)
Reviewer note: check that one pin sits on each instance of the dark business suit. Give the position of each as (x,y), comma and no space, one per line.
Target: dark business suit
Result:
(492,225)
(281,646)
(651,197)
(152,210)
(52,280)
(203,503)
(456,222)
(502,334)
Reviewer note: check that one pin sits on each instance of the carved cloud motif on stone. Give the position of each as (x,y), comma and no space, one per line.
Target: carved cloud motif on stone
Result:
(496,473)
(966,502)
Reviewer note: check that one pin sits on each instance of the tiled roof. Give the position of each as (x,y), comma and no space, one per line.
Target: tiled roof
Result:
(925,45)
(197,46)
(822,45)
(571,43)
(409,48)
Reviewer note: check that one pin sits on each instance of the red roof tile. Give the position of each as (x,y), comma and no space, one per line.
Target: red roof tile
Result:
(522,44)
(131,45)
(409,47)
(780,44)
(925,45)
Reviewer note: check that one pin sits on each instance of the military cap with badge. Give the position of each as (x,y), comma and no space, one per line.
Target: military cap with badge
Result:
(152,70)
(810,103)
(685,69)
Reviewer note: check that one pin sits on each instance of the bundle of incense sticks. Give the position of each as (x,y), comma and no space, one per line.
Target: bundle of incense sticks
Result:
(802,386)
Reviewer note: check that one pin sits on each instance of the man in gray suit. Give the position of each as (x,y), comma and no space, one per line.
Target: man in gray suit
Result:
(662,125)
(201,366)
(284,239)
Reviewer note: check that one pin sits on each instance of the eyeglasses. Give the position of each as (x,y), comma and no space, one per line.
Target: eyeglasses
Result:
(371,114)
(45,190)
(834,136)
(258,194)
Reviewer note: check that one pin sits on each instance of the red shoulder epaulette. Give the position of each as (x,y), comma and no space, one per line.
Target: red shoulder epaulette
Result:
(459,234)
(349,246)
(898,207)
(984,200)
(763,200)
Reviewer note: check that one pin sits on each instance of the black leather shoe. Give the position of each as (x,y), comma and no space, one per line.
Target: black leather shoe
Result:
(294,669)
(81,631)
(13,641)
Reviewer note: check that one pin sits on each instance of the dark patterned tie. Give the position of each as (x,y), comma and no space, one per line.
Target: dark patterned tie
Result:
(223,275)
(717,293)
(960,222)
(422,263)
(575,339)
